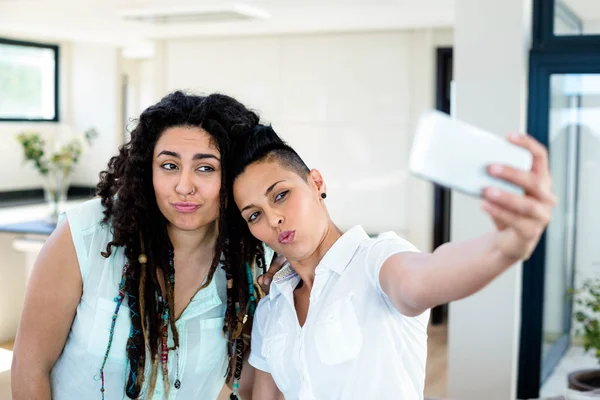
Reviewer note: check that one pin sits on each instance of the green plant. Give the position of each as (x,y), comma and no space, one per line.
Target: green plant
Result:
(64,158)
(587,313)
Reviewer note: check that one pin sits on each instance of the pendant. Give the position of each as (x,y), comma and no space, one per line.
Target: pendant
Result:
(177,384)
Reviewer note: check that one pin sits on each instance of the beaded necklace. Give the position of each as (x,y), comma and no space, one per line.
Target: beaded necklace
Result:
(119,301)
(239,343)
(164,305)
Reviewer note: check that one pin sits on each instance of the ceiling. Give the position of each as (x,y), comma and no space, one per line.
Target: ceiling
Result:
(98,21)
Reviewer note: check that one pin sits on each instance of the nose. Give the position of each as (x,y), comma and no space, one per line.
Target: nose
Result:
(276,220)
(185,186)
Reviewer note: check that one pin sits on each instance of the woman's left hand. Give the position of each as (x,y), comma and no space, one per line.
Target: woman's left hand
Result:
(264,281)
(521,219)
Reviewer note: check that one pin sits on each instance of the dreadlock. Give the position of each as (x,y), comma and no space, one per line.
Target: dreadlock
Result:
(127,195)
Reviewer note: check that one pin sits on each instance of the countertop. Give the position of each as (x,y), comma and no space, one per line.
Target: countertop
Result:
(28,217)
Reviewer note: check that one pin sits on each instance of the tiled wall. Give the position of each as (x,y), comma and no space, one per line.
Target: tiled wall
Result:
(346,102)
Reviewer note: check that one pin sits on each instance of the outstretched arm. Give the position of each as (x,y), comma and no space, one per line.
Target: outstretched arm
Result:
(415,282)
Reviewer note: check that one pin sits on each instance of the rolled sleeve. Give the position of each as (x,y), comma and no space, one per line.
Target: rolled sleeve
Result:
(383,247)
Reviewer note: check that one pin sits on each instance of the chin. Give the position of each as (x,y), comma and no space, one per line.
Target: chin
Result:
(292,251)
(189,223)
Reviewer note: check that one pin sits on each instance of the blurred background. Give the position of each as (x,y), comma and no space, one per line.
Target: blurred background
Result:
(344,81)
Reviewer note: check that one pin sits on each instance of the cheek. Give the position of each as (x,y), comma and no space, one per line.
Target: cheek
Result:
(159,182)
(260,231)
(302,208)
(212,189)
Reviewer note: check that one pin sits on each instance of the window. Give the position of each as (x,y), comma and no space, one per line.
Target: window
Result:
(564,88)
(576,17)
(28,81)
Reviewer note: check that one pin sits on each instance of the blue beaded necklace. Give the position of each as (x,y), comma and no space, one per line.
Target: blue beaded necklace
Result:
(164,319)
(250,309)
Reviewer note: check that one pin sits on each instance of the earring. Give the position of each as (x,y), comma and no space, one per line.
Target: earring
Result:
(323,195)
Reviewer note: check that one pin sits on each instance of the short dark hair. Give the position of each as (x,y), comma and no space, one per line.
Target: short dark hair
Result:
(263,144)
(259,144)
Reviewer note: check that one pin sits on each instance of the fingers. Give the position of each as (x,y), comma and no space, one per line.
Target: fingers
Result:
(526,228)
(521,205)
(536,185)
(539,152)
(264,281)
(276,264)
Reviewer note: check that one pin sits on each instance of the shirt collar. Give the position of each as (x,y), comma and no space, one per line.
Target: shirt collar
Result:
(336,259)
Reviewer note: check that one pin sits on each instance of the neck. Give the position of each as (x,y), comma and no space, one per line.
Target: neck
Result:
(306,267)
(188,245)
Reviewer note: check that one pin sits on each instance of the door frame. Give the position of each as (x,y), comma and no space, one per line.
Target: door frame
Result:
(532,372)
(441,195)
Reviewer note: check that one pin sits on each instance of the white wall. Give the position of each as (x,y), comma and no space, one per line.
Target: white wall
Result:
(89,96)
(490,72)
(96,102)
(346,102)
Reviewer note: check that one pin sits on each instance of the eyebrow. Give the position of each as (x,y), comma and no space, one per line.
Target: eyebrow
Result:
(269,190)
(197,156)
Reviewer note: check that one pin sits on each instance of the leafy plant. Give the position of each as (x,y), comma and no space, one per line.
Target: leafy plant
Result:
(587,313)
(64,158)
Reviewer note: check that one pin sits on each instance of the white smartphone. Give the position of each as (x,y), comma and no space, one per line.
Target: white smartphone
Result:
(456,155)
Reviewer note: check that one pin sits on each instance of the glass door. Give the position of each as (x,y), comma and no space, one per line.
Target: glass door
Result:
(566,119)
(564,115)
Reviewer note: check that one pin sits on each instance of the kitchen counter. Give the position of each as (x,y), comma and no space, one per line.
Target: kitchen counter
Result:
(30,218)
(38,227)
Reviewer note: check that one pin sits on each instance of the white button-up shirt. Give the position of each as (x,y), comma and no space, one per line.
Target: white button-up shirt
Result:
(354,343)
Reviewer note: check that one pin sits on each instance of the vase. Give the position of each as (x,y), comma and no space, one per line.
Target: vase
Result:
(56,185)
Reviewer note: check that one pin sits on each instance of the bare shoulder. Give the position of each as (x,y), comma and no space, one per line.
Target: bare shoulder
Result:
(53,292)
(57,264)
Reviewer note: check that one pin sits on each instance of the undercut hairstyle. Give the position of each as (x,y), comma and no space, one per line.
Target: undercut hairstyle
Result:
(262,144)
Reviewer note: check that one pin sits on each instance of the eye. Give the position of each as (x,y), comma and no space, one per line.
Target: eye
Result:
(205,168)
(169,166)
(253,217)
(281,195)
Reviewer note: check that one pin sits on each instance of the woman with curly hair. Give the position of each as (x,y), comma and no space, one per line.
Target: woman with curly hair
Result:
(138,293)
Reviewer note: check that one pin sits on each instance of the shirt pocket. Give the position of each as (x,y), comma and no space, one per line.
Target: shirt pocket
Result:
(212,349)
(338,336)
(100,333)
(273,351)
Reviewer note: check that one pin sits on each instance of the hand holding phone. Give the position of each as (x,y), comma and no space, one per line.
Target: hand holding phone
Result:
(456,155)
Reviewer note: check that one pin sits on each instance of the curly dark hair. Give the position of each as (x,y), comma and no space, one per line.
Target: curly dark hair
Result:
(138,226)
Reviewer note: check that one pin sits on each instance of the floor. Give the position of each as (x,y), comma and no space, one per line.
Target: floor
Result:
(435,382)
(574,359)
(437,361)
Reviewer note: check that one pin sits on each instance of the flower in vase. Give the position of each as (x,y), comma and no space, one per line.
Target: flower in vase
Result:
(55,161)
(62,154)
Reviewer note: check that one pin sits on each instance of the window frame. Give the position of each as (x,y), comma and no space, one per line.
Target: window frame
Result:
(544,38)
(550,54)
(56,50)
